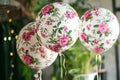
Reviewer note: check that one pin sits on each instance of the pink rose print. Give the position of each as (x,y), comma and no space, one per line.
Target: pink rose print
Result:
(98,49)
(64,40)
(65,28)
(43,34)
(34,31)
(111,17)
(41,49)
(22,49)
(88,27)
(103,28)
(31,32)
(96,11)
(32,49)
(59,2)
(27,59)
(96,41)
(43,55)
(86,15)
(55,47)
(37,25)
(70,15)
(46,9)
(107,41)
(84,37)
(26,36)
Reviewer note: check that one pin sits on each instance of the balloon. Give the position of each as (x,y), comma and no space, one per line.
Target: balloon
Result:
(58,25)
(30,50)
(99,30)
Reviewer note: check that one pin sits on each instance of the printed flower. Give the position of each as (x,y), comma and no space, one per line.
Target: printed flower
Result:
(83,37)
(70,15)
(43,34)
(43,55)
(96,41)
(111,17)
(96,11)
(26,36)
(22,49)
(55,47)
(32,49)
(64,40)
(86,15)
(60,2)
(27,59)
(46,9)
(37,25)
(103,28)
(97,49)
(88,27)
(31,32)
(107,41)
(34,31)
(65,28)
(41,49)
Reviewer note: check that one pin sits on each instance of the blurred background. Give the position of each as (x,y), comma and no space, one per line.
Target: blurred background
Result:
(15,14)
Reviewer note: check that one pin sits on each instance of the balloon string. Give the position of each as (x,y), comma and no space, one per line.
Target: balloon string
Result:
(38,75)
(62,63)
(61,68)
(98,67)
(64,66)
(41,75)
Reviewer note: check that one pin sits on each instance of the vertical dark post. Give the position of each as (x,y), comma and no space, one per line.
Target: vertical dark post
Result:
(116,47)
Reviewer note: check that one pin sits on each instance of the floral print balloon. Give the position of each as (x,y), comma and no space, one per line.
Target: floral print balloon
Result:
(30,50)
(99,30)
(58,25)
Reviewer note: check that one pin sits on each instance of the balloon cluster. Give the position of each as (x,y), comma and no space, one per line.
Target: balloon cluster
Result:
(56,29)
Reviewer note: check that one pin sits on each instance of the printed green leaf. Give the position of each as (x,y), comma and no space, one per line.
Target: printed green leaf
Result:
(26,51)
(69,32)
(100,35)
(83,29)
(101,44)
(96,26)
(54,26)
(58,23)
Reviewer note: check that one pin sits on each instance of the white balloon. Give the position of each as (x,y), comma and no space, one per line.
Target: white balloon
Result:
(99,30)
(58,25)
(30,50)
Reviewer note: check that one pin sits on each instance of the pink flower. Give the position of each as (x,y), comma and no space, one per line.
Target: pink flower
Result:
(22,49)
(107,41)
(86,15)
(46,9)
(43,55)
(70,15)
(55,47)
(43,34)
(88,27)
(27,59)
(41,49)
(64,40)
(96,11)
(26,36)
(32,49)
(111,17)
(103,28)
(34,30)
(37,24)
(84,37)
(98,49)
(96,41)
(59,2)
(65,28)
